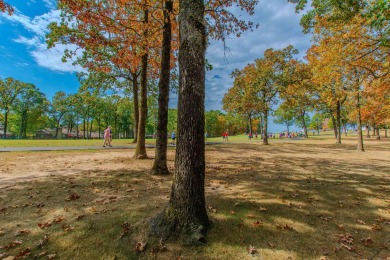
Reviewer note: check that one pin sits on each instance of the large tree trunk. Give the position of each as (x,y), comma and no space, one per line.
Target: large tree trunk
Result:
(360,146)
(140,150)
(160,160)
(338,114)
(135,104)
(265,128)
(368,130)
(378,134)
(185,217)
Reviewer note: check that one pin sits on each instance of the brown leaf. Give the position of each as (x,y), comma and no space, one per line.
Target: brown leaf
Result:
(125,229)
(250,216)
(12,244)
(22,232)
(140,246)
(346,239)
(232,212)
(44,225)
(58,219)
(73,196)
(367,241)
(24,254)
(341,226)
(79,217)
(257,223)
(349,248)
(287,227)
(51,256)
(67,228)
(262,209)
(270,244)
(376,227)
(252,250)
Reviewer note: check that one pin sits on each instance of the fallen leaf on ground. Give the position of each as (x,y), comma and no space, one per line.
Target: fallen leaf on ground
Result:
(79,217)
(44,225)
(24,254)
(51,256)
(367,241)
(270,244)
(22,232)
(12,244)
(67,228)
(262,209)
(125,229)
(58,219)
(252,250)
(140,246)
(73,196)
(341,226)
(346,239)
(257,223)
(376,227)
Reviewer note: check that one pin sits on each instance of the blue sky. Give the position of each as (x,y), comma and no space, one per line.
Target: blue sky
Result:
(24,56)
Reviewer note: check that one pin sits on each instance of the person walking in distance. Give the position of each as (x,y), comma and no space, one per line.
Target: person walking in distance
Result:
(107,137)
(173,136)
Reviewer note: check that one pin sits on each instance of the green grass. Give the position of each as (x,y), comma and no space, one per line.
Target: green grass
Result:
(57,143)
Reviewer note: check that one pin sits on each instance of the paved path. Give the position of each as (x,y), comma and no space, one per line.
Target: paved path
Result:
(66,148)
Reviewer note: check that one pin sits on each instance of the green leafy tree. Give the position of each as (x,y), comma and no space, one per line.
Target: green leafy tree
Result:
(284,116)
(316,122)
(9,92)
(59,107)
(30,108)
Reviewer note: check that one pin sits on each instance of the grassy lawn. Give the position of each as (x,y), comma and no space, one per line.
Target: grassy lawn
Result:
(309,199)
(56,143)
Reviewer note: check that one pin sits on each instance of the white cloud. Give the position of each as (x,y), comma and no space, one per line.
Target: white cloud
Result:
(37,26)
(50,3)
(279,27)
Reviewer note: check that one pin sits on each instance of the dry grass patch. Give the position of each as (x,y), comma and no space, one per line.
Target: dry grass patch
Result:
(291,200)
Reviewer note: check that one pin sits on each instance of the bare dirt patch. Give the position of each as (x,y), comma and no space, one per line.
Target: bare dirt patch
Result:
(290,200)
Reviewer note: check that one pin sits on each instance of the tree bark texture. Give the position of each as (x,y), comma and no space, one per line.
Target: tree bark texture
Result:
(368,131)
(360,146)
(265,128)
(135,104)
(160,160)
(185,218)
(140,149)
